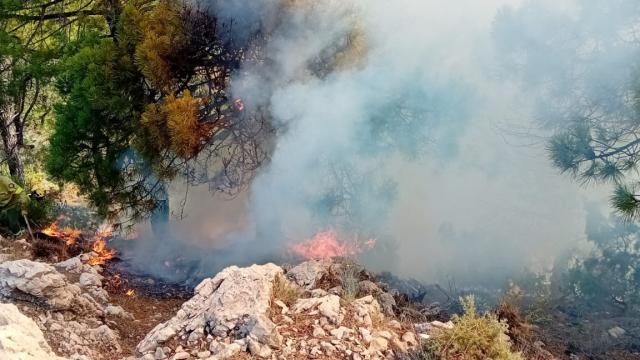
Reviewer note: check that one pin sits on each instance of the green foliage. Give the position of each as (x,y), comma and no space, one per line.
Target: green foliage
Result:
(103,92)
(43,212)
(474,337)
(625,201)
(142,94)
(578,151)
(101,66)
(604,280)
(28,62)
(601,152)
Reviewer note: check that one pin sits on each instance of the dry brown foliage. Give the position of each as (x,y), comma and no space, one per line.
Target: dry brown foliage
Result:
(284,291)
(520,331)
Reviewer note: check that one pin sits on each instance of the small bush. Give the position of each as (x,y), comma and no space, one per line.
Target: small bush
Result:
(284,291)
(475,337)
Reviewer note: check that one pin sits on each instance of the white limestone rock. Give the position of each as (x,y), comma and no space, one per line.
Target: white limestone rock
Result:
(20,337)
(328,306)
(235,302)
(43,283)
(309,273)
(366,308)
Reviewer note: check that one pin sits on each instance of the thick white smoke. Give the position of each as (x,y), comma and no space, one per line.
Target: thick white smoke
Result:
(470,200)
(417,137)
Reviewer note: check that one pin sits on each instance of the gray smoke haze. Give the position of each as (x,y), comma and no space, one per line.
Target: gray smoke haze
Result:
(429,136)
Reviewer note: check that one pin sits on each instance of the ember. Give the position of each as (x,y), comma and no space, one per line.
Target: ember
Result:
(327,245)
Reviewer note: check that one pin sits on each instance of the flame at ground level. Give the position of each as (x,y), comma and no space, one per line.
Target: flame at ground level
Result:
(327,245)
(74,237)
(99,247)
(69,235)
(102,253)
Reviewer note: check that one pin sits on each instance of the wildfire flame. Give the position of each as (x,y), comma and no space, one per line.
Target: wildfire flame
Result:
(99,247)
(327,245)
(100,253)
(130,292)
(69,235)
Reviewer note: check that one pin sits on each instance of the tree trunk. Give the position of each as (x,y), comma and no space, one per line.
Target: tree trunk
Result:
(10,143)
(16,166)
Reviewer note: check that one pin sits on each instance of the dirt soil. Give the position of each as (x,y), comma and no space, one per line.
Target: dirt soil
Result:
(587,339)
(147,312)
(14,249)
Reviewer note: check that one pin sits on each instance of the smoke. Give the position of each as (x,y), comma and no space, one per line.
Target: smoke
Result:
(419,123)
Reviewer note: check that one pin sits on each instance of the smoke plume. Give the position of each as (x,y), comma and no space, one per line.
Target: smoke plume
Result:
(420,123)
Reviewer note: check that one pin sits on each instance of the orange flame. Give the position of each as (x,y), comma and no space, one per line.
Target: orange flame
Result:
(130,292)
(98,243)
(99,247)
(102,253)
(69,235)
(327,245)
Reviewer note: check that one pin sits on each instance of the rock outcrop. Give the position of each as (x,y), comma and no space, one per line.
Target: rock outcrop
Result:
(242,310)
(307,274)
(312,311)
(70,302)
(21,338)
(234,304)
(38,282)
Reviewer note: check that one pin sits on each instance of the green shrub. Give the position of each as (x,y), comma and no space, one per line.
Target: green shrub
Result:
(474,337)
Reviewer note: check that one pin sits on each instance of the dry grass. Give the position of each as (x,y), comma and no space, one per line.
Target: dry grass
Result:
(424,352)
(379,322)
(330,279)
(50,250)
(350,280)
(520,331)
(148,312)
(285,291)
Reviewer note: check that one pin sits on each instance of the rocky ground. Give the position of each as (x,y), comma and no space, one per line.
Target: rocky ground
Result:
(318,309)
(324,309)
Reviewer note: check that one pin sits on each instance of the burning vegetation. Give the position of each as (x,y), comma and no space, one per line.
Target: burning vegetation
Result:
(327,244)
(63,242)
(100,252)
(67,234)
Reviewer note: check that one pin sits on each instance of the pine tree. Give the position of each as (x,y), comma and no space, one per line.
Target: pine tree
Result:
(144,93)
(592,150)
